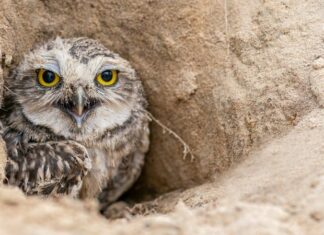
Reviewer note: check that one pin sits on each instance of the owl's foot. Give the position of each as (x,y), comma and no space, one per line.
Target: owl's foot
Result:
(117,210)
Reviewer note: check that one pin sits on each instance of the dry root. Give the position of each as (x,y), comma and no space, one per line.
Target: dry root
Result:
(186,149)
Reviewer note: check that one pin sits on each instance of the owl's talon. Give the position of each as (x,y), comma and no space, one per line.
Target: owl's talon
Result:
(117,210)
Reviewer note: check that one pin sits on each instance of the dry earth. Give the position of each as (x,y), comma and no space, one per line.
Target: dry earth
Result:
(240,81)
(278,190)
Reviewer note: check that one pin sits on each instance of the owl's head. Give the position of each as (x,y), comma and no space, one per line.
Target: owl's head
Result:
(76,87)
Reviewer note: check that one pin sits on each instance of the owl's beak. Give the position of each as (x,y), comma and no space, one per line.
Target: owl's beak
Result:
(79,106)
(79,101)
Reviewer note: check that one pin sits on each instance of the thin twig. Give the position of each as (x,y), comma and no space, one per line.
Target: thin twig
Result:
(226,28)
(186,148)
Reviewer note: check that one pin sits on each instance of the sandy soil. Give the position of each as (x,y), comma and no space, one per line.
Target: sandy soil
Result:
(277,190)
(225,75)
(240,81)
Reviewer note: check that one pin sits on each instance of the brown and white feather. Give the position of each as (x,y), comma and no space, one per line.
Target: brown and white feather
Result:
(47,152)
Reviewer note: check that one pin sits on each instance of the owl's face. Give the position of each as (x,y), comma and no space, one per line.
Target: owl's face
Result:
(77,88)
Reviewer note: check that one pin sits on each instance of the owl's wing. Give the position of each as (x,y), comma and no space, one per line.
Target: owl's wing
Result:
(47,168)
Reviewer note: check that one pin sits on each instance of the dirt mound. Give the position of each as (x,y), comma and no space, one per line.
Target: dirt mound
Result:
(277,190)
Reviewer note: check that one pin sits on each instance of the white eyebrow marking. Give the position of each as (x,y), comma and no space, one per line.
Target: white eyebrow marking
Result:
(101,64)
(52,67)
(109,67)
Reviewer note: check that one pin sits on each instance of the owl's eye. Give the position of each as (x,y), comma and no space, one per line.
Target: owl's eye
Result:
(107,78)
(47,78)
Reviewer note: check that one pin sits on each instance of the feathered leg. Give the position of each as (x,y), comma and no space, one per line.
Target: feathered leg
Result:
(128,172)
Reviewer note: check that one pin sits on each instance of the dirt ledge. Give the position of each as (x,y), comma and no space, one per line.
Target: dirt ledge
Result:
(278,190)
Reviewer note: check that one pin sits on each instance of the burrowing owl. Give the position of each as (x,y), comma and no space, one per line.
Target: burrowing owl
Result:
(74,121)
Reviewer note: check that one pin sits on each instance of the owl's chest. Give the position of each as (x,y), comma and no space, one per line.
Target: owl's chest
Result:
(100,161)
(104,167)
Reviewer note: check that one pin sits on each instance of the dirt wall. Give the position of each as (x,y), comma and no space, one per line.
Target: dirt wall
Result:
(227,76)
(224,75)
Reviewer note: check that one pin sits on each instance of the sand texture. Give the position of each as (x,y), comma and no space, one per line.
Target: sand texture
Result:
(242,82)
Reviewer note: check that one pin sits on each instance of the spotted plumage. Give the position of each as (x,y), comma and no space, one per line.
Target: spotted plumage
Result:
(67,132)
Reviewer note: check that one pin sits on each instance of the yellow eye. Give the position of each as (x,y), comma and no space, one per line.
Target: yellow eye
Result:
(47,78)
(107,77)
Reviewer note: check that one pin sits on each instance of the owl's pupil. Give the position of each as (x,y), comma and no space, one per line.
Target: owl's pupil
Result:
(48,76)
(106,75)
